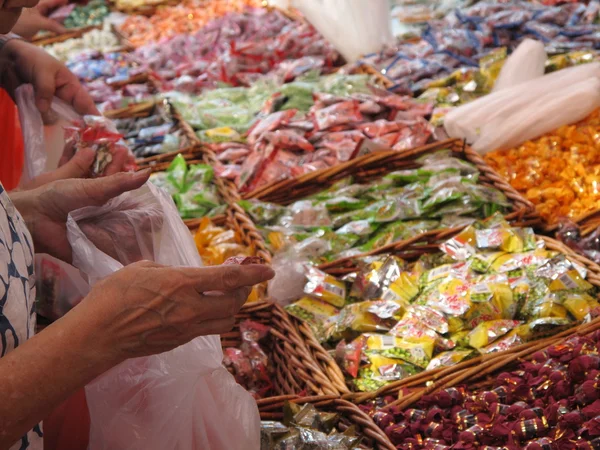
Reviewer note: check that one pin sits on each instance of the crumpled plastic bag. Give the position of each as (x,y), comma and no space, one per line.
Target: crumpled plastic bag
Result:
(183,399)
(526,63)
(514,115)
(43,137)
(290,278)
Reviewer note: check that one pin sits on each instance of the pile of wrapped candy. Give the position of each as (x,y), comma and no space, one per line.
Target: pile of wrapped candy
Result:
(184,18)
(350,219)
(558,172)
(551,401)
(465,36)
(103,75)
(102,40)
(490,288)
(249,363)
(304,427)
(191,188)
(237,49)
(84,15)
(217,244)
(152,135)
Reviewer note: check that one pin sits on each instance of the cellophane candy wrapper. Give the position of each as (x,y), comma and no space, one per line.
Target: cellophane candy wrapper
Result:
(43,137)
(184,398)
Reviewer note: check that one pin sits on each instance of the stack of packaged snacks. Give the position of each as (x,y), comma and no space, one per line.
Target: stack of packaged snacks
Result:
(349,219)
(305,427)
(336,129)
(237,49)
(186,17)
(558,172)
(490,288)
(152,135)
(465,36)
(191,187)
(550,401)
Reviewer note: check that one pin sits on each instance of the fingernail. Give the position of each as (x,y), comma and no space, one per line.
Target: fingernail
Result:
(87,154)
(267,272)
(143,174)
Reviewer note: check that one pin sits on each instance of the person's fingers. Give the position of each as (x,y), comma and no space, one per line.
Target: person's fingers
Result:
(210,327)
(70,90)
(227,278)
(51,25)
(223,304)
(77,167)
(120,158)
(44,84)
(98,191)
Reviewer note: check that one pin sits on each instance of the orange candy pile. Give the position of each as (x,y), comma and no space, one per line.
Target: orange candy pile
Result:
(187,17)
(558,172)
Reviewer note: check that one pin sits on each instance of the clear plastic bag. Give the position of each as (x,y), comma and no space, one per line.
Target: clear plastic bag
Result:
(183,399)
(527,104)
(43,137)
(526,63)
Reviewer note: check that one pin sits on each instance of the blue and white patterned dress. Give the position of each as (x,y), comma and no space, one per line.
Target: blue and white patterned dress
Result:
(17,293)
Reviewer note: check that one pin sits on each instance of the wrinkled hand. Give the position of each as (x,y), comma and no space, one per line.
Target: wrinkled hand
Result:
(32,21)
(146,308)
(45,209)
(79,166)
(48,76)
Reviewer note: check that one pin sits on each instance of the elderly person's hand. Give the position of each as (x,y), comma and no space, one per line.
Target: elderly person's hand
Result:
(49,77)
(45,209)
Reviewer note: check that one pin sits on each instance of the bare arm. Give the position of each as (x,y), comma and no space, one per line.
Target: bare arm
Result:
(44,371)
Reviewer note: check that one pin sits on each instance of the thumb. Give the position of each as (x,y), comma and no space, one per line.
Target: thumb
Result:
(96,192)
(44,86)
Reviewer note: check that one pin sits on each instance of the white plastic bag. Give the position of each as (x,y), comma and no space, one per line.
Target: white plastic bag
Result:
(183,399)
(354,27)
(43,138)
(486,113)
(526,63)
(541,116)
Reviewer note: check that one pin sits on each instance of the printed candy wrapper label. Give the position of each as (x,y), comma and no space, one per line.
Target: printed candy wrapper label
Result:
(314,312)
(580,305)
(418,354)
(570,280)
(487,332)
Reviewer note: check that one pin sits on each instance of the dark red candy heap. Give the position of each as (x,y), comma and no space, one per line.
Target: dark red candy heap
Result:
(551,402)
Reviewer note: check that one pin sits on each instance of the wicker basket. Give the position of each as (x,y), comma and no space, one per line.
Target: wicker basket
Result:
(426,382)
(295,370)
(52,38)
(350,415)
(371,166)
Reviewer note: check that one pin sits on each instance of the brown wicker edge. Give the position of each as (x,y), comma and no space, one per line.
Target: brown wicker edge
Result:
(350,415)
(44,40)
(295,370)
(477,368)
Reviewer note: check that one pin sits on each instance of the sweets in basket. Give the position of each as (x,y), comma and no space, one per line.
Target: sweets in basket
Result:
(550,400)
(489,288)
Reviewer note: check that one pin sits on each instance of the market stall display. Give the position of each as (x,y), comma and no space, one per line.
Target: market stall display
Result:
(405,265)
